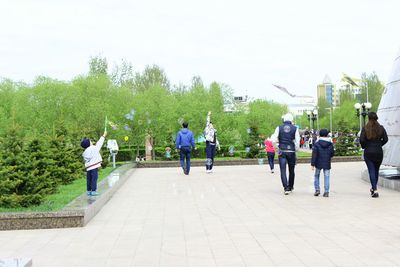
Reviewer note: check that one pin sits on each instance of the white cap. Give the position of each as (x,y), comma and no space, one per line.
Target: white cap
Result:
(288,117)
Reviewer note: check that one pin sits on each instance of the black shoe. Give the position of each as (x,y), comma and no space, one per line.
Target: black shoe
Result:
(375,194)
(371,191)
(316,193)
(326,194)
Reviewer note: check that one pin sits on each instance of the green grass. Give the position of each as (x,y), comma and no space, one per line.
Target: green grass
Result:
(65,194)
(303,154)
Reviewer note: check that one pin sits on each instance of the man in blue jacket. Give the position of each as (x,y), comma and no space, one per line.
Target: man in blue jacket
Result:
(185,143)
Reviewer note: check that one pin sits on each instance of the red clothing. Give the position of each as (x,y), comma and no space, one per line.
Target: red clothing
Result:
(269,146)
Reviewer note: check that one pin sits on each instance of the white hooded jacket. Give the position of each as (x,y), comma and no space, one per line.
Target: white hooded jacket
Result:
(92,156)
(210,133)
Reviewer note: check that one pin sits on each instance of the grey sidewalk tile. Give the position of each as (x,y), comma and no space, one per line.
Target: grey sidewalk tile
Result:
(238,216)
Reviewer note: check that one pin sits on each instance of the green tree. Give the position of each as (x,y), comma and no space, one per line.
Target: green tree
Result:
(11,174)
(253,142)
(154,115)
(123,75)
(98,66)
(345,143)
(68,163)
(152,76)
(24,176)
(375,89)
(38,180)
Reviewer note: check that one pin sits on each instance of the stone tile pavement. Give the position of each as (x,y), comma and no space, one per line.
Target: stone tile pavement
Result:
(236,216)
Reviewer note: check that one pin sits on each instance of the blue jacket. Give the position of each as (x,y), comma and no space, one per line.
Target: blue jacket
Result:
(322,154)
(185,138)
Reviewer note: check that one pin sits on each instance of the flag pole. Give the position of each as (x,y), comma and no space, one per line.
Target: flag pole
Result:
(105,124)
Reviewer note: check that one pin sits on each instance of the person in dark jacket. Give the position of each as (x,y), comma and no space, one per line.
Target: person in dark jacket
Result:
(373,137)
(185,143)
(321,160)
(288,139)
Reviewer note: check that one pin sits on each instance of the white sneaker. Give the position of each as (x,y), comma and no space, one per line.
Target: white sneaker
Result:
(208,171)
(287,192)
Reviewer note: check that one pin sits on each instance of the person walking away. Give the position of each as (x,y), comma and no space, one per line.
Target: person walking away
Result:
(321,160)
(92,159)
(270,149)
(310,142)
(287,137)
(302,141)
(373,136)
(211,143)
(185,143)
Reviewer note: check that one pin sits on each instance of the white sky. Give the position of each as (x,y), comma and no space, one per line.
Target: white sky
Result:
(246,44)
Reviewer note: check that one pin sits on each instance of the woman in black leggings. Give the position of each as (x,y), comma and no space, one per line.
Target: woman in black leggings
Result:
(373,137)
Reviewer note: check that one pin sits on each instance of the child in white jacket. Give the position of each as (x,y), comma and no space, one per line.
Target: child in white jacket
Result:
(93,160)
(210,134)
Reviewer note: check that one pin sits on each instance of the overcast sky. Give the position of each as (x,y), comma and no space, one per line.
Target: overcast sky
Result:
(246,44)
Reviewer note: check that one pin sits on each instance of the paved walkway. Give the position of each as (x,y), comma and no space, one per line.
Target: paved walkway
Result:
(237,216)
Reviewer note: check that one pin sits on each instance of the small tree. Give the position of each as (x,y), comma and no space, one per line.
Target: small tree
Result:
(345,143)
(38,180)
(68,165)
(11,175)
(253,142)
(24,175)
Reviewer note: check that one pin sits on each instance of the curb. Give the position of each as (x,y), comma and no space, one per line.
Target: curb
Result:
(197,163)
(389,178)
(77,213)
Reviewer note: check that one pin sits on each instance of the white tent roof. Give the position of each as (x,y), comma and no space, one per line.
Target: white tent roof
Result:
(389,115)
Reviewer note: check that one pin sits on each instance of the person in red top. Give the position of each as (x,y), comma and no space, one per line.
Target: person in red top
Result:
(270,149)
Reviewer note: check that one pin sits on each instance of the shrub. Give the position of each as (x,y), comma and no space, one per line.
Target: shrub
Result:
(29,173)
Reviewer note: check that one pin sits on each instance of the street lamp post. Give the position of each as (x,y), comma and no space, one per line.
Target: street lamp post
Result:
(312,116)
(362,111)
(309,118)
(315,111)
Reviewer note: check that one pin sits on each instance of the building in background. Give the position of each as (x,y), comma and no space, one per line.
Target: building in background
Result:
(327,90)
(302,105)
(236,104)
(351,85)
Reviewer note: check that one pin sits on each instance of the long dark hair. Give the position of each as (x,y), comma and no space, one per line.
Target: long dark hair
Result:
(373,129)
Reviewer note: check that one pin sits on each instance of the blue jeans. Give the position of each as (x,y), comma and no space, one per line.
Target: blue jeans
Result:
(288,158)
(185,154)
(271,156)
(210,153)
(326,179)
(91,180)
(373,170)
